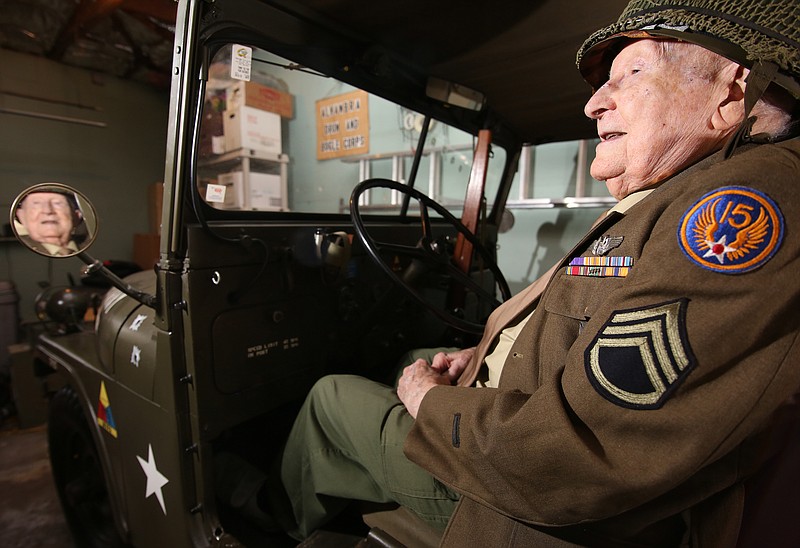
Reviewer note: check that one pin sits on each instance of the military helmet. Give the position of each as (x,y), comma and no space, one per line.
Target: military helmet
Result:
(749,32)
(56,189)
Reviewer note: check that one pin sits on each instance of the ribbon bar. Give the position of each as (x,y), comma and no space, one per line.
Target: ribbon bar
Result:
(602,261)
(599,271)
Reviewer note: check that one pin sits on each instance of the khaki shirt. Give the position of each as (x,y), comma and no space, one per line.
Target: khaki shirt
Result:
(54,249)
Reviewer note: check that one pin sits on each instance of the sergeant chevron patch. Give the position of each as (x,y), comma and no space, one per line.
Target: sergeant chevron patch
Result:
(640,356)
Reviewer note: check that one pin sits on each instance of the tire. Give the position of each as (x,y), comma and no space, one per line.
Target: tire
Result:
(78,474)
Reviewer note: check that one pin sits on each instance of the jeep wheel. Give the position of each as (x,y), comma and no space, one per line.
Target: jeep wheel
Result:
(78,474)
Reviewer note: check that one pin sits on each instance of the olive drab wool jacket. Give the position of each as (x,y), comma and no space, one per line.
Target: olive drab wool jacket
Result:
(647,385)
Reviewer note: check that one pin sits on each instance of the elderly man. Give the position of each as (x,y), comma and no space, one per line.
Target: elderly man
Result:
(621,410)
(45,221)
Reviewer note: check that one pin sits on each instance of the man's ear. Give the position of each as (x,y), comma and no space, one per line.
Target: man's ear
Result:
(730,110)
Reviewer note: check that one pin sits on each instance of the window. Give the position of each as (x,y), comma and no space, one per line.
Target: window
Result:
(292,139)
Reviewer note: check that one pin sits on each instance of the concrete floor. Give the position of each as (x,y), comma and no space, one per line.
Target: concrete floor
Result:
(30,513)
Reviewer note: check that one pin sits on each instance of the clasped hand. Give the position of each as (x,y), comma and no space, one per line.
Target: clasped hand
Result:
(421,376)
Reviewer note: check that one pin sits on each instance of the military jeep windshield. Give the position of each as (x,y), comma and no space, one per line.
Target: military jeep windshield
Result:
(278,137)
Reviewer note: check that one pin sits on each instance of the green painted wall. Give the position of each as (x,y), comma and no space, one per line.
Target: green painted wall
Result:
(112,165)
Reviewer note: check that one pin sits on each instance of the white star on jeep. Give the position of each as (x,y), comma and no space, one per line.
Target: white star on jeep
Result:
(155,479)
(137,323)
(136,354)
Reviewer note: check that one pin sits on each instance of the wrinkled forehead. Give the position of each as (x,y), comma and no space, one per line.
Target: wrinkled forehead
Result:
(45,196)
(40,198)
(626,50)
(683,55)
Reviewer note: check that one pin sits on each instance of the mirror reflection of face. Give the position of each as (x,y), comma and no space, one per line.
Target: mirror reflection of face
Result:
(48,217)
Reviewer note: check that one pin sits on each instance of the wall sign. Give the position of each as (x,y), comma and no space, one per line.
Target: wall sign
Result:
(343,125)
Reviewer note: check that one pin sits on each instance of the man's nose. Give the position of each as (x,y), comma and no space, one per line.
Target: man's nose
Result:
(598,103)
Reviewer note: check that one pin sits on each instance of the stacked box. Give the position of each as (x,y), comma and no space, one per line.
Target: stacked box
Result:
(265,191)
(251,94)
(251,128)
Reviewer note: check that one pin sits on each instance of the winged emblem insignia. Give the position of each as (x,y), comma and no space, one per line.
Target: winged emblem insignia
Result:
(731,230)
(603,245)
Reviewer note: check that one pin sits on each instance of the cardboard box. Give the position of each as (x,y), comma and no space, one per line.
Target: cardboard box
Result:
(251,94)
(265,191)
(251,128)
(211,123)
(210,130)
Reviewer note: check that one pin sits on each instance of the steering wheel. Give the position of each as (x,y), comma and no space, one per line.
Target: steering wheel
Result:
(429,254)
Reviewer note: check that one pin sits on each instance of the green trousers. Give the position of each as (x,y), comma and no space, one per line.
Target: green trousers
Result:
(347,444)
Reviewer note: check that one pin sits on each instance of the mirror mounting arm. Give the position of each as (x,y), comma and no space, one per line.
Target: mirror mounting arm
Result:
(93,265)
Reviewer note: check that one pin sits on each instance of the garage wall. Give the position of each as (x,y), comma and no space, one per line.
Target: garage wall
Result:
(111,150)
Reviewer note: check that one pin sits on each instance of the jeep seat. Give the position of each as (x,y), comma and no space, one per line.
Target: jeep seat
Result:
(400,525)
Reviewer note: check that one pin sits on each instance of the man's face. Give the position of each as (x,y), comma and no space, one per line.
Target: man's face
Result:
(48,216)
(654,114)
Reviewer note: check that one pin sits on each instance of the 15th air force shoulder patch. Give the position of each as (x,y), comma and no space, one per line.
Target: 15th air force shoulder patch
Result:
(731,230)
(640,356)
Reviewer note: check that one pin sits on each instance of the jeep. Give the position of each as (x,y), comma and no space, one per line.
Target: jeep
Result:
(337,177)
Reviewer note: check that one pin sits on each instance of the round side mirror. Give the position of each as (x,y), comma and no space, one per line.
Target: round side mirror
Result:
(54,220)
